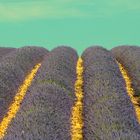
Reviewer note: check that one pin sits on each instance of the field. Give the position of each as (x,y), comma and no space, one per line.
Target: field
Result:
(58,95)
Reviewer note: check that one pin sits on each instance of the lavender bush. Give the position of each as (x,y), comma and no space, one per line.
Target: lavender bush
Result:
(46,109)
(108,111)
(4,51)
(13,69)
(60,65)
(129,56)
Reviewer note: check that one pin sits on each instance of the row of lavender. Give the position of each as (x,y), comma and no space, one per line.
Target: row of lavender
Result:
(129,56)
(108,111)
(14,66)
(46,109)
(4,51)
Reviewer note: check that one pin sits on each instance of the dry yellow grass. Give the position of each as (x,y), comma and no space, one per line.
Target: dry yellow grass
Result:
(76,118)
(130,90)
(14,107)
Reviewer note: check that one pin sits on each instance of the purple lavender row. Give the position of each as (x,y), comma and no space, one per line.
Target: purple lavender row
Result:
(57,64)
(45,111)
(4,51)
(129,57)
(13,69)
(108,111)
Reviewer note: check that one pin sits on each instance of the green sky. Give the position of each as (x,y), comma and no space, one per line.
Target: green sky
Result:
(75,23)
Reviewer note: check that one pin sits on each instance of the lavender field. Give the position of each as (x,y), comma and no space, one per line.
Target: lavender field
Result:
(39,91)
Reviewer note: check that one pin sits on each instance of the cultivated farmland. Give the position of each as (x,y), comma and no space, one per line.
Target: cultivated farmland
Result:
(58,95)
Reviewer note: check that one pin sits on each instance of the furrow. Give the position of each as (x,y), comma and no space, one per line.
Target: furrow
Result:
(77,110)
(130,90)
